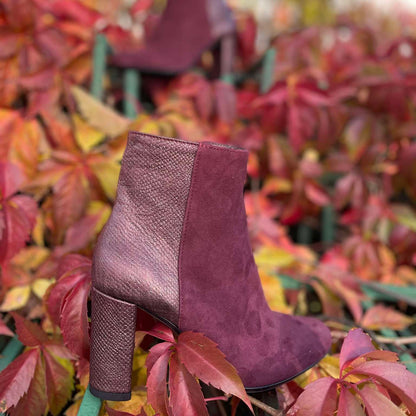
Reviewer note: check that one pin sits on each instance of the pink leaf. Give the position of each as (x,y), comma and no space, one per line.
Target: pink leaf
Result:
(157,384)
(318,399)
(10,179)
(5,330)
(377,404)
(316,194)
(380,316)
(161,331)
(186,397)
(348,404)
(355,344)
(204,360)
(155,353)
(393,376)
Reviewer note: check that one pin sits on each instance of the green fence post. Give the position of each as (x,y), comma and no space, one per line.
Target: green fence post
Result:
(328,224)
(267,73)
(90,405)
(99,59)
(131,92)
(13,348)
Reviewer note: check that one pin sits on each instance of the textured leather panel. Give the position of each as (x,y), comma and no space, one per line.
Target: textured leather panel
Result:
(113,324)
(136,256)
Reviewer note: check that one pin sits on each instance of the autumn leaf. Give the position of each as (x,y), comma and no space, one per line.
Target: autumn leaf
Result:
(186,397)
(318,399)
(157,379)
(349,405)
(5,330)
(98,115)
(67,304)
(377,404)
(204,360)
(360,363)
(380,316)
(15,298)
(17,212)
(16,378)
(46,362)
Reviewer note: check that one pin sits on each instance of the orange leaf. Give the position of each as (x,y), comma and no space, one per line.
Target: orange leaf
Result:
(380,316)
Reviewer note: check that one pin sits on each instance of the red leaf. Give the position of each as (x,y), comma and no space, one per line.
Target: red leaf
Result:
(377,404)
(29,333)
(34,402)
(204,360)
(348,404)
(318,399)
(393,376)
(64,286)
(157,383)
(186,397)
(15,379)
(71,195)
(74,319)
(70,262)
(114,412)
(355,344)
(17,213)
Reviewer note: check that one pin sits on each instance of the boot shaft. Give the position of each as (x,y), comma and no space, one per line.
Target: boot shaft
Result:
(136,257)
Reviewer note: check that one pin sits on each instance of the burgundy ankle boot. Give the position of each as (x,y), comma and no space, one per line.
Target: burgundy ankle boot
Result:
(186,29)
(177,246)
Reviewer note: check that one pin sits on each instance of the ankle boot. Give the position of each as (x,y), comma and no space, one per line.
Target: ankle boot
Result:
(186,29)
(177,246)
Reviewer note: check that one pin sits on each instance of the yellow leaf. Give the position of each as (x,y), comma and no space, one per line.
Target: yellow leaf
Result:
(101,208)
(98,115)
(40,286)
(276,184)
(30,258)
(15,298)
(330,365)
(150,127)
(134,405)
(139,376)
(273,257)
(38,229)
(274,292)
(107,173)
(86,136)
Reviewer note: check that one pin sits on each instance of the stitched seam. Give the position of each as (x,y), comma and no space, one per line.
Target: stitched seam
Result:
(194,180)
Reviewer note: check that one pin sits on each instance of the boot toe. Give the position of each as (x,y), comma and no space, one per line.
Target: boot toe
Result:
(299,343)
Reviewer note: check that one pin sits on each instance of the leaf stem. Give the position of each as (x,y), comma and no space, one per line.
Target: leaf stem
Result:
(265,407)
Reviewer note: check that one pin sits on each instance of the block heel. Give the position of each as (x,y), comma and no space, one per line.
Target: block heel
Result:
(113,325)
